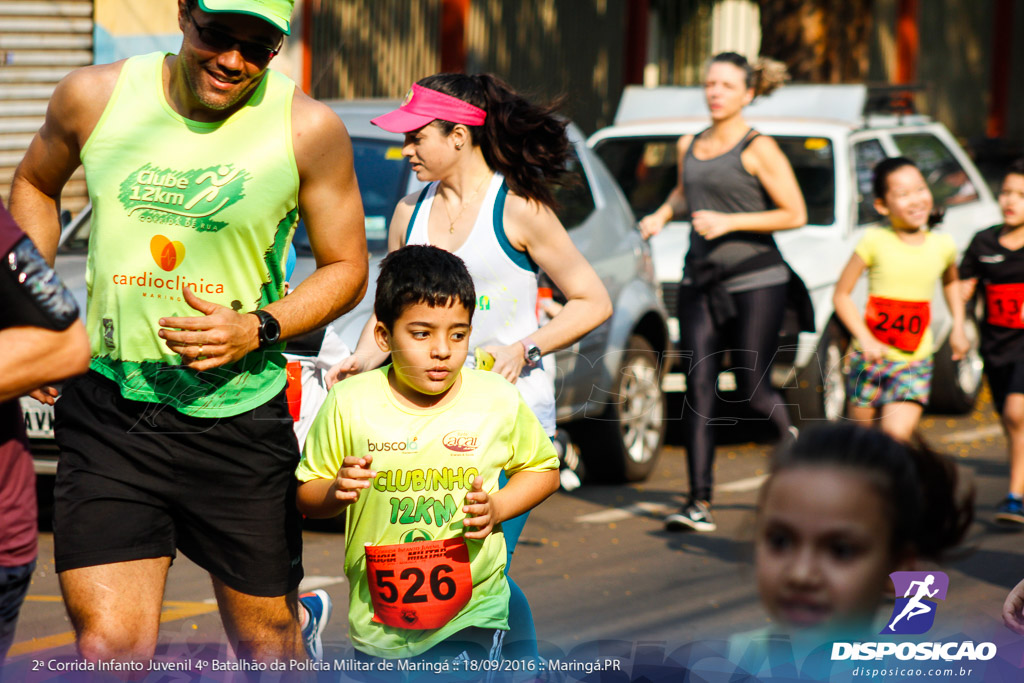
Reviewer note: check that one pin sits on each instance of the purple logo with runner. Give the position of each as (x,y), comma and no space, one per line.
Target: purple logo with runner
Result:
(914,612)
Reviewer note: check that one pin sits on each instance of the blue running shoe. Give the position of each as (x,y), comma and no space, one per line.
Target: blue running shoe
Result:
(1011,512)
(318,607)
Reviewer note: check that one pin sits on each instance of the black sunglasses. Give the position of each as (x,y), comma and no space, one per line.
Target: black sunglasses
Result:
(214,38)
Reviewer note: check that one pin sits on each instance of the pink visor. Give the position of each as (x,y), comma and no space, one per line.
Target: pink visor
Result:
(423,105)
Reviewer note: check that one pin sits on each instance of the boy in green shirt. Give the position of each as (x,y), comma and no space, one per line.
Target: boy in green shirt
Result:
(413,452)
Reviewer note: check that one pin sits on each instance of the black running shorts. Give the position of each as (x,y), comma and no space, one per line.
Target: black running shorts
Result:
(1004,380)
(136,480)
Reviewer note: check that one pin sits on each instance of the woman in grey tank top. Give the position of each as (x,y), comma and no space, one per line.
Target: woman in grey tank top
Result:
(739,188)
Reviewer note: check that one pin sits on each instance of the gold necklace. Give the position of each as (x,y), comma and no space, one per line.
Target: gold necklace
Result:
(472,198)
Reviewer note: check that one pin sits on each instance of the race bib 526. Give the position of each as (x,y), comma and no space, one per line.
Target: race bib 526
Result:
(419,585)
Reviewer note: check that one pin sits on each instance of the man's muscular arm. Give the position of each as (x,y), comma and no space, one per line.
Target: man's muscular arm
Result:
(55,152)
(332,209)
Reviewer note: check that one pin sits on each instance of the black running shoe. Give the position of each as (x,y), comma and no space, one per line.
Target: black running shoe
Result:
(695,515)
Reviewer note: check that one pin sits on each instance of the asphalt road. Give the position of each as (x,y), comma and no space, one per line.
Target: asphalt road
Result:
(598,567)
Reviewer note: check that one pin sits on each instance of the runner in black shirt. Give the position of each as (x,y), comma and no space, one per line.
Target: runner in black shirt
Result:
(42,341)
(995,260)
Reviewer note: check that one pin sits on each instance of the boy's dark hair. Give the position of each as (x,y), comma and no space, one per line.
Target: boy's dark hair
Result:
(1016,167)
(419,273)
(918,486)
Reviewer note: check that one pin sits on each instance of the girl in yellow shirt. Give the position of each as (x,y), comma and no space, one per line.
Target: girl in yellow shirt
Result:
(891,364)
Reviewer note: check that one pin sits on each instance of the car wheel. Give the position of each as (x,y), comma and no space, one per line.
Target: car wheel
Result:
(821,390)
(956,384)
(624,443)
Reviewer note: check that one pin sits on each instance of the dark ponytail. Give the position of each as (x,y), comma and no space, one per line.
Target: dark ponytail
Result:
(880,184)
(918,485)
(525,142)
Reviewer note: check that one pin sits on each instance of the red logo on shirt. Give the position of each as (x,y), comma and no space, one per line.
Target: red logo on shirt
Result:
(167,254)
(460,441)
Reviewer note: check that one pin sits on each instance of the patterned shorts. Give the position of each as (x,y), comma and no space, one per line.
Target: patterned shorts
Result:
(888,381)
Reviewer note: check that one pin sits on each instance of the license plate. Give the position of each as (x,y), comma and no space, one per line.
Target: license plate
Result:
(38,418)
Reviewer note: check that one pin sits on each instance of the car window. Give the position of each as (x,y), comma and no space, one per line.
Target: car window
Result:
(814,165)
(383,176)
(575,199)
(865,155)
(78,240)
(949,182)
(646,170)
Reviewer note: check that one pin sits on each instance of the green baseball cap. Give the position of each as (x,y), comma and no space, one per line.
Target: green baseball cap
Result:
(277,12)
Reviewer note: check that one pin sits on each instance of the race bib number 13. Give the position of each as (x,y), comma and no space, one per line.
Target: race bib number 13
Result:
(419,585)
(898,323)
(1003,304)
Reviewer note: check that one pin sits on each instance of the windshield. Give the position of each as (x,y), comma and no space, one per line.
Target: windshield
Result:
(383,176)
(383,179)
(646,170)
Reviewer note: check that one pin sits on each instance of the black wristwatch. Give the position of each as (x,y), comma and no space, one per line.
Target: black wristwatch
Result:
(269,330)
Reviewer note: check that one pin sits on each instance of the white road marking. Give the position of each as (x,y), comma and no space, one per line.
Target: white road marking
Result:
(652,509)
(641,509)
(310,583)
(973,434)
(307,584)
(742,485)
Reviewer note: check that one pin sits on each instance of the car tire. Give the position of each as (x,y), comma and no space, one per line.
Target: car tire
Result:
(624,443)
(820,393)
(956,384)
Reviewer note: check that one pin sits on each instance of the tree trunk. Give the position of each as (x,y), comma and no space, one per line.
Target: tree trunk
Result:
(820,41)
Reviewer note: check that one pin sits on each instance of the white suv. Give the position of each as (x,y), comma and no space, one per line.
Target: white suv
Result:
(833,146)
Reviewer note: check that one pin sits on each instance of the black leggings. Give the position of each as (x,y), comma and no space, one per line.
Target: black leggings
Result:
(752,336)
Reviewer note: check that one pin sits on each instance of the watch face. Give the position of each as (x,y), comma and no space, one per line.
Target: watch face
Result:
(272,330)
(533,354)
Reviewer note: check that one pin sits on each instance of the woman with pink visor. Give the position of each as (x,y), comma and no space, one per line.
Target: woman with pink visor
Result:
(491,158)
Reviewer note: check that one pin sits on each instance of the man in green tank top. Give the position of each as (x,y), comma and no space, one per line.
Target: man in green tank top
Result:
(199,166)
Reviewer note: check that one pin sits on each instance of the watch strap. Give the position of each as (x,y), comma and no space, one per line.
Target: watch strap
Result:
(266,320)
